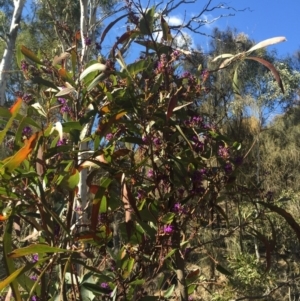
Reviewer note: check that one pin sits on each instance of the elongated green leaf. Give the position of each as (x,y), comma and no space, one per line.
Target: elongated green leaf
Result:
(95,67)
(184,137)
(13,112)
(138,66)
(29,54)
(165,29)
(44,82)
(168,218)
(222,270)
(235,83)
(168,293)
(271,68)
(4,283)
(35,248)
(20,56)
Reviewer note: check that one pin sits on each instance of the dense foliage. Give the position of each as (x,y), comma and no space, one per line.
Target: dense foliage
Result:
(124,181)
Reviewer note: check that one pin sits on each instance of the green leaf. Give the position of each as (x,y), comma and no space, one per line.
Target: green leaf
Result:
(165,29)
(35,248)
(222,270)
(138,66)
(20,56)
(95,67)
(13,113)
(169,291)
(235,84)
(71,125)
(191,288)
(8,262)
(95,288)
(43,82)
(29,54)
(168,218)
(170,253)
(184,137)
(146,22)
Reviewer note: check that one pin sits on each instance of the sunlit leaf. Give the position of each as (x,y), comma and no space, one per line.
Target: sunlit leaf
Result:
(168,293)
(146,21)
(266,43)
(165,29)
(13,162)
(13,112)
(29,54)
(35,248)
(95,67)
(222,56)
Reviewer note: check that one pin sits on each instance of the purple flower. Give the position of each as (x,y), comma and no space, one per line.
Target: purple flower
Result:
(87,41)
(178,208)
(24,65)
(228,168)
(150,173)
(34,298)
(35,257)
(61,142)
(223,152)
(186,74)
(140,194)
(238,160)
(65,109)
(168,229)
(27,98)
(27,131)
(105,285)
(62,100)
(109,136)
(33,277)
(156,141)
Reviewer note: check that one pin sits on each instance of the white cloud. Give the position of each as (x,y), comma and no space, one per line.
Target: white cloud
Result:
(174,21)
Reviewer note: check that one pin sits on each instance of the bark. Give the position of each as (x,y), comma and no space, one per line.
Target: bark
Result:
(6,61)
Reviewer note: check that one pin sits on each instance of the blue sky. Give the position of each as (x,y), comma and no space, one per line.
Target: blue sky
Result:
(261,19)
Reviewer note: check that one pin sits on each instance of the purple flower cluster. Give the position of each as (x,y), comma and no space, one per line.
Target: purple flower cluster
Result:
(61,142)
(64,105)
(87,41)
(35,258)
(109,136)
(223,152)
(168,229)
(27,131)
(178,208)
(150,173)
(228,168)
(198,144)
(24,65)
(27,97)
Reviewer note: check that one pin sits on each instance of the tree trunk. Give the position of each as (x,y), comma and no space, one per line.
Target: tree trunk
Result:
(6,61)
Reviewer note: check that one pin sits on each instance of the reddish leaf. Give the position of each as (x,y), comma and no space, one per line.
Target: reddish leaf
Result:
(271,68)
(124,38)
(171,106)
(286,215)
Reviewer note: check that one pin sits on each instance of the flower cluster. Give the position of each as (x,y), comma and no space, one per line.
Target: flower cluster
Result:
(64,105)
(27,131)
